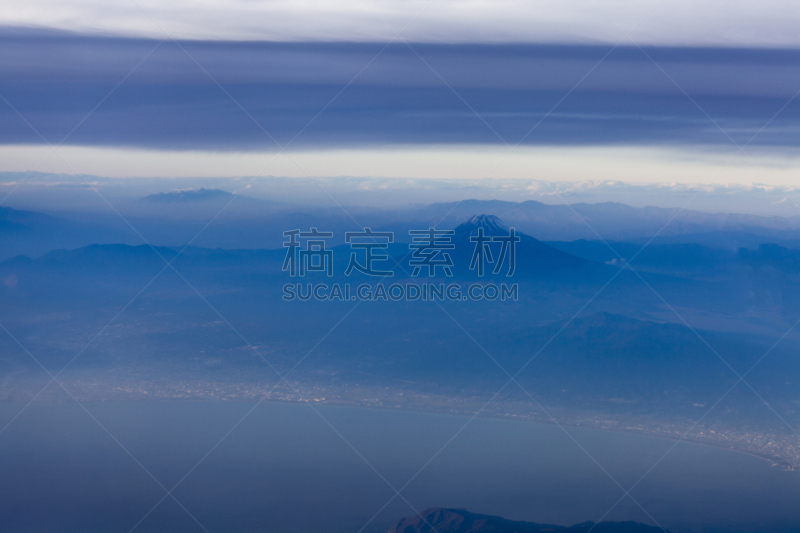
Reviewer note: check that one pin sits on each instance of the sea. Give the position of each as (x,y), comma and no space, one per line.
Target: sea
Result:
(215,466)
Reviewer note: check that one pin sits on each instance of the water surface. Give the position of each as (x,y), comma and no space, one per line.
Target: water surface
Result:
(286,468)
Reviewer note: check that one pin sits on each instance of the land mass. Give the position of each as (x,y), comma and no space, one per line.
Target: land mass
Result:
(437,520)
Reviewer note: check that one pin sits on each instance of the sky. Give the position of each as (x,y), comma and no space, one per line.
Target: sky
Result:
(767,23)
(639,92)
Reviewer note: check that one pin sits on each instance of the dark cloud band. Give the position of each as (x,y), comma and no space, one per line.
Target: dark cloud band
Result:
(54,79)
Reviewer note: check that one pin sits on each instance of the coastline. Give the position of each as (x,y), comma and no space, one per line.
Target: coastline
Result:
(412,401)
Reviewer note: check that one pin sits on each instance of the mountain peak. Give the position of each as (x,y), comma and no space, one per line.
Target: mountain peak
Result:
(491,226)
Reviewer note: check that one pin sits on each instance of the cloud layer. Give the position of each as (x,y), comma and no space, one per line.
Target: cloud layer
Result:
(668,22)
(428,94)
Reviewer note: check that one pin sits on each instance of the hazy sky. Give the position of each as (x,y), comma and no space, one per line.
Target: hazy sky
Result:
(449,162)
(559,79)
(667,22)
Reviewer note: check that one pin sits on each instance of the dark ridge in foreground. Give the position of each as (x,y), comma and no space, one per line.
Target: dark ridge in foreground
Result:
(459,521)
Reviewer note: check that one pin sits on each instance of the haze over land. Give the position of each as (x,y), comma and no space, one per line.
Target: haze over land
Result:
(711,292)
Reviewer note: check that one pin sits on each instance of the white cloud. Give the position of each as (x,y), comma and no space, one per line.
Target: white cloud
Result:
(581,169)
(395,176)
(669,22)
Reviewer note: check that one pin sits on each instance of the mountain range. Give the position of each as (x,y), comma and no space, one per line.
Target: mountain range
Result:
(625,351)
(599,329)
(214,218)
(438,520)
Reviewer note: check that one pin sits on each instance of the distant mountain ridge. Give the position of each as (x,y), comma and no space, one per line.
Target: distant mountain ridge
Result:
(612,220)
(32,233)
(438,520)
(14,219)
(201,204)
(187,195)
(174,218)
